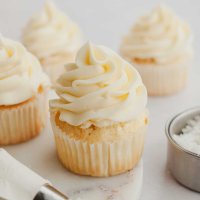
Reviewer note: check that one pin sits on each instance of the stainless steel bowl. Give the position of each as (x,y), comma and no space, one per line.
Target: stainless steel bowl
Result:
(183,164)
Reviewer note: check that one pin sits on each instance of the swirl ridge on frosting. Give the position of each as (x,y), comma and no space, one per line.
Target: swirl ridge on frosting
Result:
(20,73)
(161,37)
(51,34)
(100,88)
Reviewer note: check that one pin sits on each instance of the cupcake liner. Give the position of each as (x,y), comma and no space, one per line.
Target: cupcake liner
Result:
(99,159)
(164,80)
(24,121)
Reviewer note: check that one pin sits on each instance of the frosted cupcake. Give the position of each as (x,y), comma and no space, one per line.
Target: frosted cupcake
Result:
(99,120)
(160,47)
(23,88)
(53,38)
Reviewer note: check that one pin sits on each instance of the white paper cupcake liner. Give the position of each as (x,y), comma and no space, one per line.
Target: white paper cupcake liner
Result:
(164,80)
(98,159)
(24,121)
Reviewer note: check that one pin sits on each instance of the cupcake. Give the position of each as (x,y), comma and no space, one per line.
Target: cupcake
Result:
(160,46)
(53,38)
(23,88)
(99,120)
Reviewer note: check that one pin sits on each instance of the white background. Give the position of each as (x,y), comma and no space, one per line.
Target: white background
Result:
(105,22)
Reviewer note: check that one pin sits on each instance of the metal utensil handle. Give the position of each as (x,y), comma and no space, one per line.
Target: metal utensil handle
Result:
(48,192)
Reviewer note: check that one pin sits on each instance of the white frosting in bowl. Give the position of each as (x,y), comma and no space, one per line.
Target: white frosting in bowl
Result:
(51,34)
(160,36)
(20,73)
(100,88)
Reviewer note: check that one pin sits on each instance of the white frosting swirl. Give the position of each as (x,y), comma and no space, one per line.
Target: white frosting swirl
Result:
(160,36)
(20,73)
(100,88)
(51,35)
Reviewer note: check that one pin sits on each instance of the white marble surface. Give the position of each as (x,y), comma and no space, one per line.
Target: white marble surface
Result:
(39,154)
(104,22)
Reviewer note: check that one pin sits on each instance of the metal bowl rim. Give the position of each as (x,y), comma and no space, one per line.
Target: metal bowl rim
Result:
(169,135)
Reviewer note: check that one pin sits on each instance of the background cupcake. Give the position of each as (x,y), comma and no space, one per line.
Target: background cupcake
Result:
(23,87)
(100,120)
(160,47)
(53,38)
